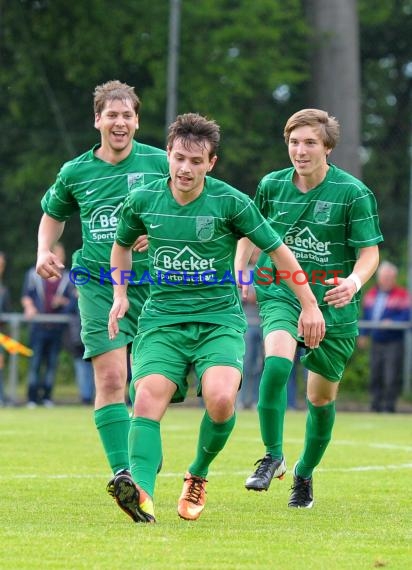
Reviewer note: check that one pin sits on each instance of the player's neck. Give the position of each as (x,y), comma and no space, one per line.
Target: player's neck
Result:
(111,155)
(311,181)
(185,197)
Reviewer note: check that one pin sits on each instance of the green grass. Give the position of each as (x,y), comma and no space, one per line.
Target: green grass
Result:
(55,513)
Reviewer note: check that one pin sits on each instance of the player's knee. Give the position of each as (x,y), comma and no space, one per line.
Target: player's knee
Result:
(110,380)
(319,401)
(221,407)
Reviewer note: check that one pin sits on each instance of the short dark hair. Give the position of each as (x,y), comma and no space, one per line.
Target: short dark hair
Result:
(194,128)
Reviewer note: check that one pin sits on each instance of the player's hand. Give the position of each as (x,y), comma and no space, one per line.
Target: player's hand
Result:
(48,265)
(141,244)
(311,326)
(119,309)
(342,294)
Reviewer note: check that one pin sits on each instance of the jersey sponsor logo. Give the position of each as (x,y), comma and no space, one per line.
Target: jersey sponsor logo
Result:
(322,212)
(306,246)
(173,259)
(135,180)
(281,213)
(154,226)
(103,223)
(88,192)
(205,227)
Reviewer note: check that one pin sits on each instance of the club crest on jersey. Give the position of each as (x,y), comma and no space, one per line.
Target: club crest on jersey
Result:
(205,227)
(135,180)
(322,212)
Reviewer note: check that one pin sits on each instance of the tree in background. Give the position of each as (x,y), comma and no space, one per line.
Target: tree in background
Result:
(248,69)
(386,57)
(335,73)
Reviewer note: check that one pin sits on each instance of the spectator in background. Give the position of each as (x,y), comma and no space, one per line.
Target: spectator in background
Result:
(41,296)
(386,302)
(253,362)
(83,369)
(4,307)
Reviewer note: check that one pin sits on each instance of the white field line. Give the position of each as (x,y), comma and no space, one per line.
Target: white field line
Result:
(212,473)
(389,446)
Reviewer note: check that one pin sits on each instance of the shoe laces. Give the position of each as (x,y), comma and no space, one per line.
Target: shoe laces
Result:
(195,490)
(301,487)
(264,463)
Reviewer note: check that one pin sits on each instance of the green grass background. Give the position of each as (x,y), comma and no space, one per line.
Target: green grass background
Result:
(55,513)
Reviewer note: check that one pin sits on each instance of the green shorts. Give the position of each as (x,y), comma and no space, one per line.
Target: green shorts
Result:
(329,359)
(95,302)
(172,351)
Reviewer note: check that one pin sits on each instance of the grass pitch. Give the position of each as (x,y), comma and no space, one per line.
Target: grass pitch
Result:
(55,513)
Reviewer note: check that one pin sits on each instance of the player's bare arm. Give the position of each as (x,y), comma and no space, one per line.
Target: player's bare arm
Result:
(311,325)
(243,253)
(120,262)
(365,267)
(48,264)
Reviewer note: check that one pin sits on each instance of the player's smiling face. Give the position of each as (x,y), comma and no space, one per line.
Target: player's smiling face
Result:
(117,124)
(188,165)
(308,152)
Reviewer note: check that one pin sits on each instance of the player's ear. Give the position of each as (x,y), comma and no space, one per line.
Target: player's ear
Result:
(97,118)
(212,163)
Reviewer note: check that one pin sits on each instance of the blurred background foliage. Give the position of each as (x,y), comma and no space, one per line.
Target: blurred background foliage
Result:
(247,65)
(247,68)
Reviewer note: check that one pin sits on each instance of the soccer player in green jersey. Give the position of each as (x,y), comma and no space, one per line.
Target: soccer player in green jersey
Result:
(193,315)
(96,184)
(329,220)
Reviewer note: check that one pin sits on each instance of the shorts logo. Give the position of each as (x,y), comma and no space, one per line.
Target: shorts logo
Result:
(103,223)
(135,180)
(205,228)
(322,212)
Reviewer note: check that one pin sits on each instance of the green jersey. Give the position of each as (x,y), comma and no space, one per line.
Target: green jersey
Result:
(191,251)
(97,190)
(325,228)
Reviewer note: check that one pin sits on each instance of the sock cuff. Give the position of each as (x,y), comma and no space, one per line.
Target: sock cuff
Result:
(222,425)
(278,362)
(146,422)
(111,414)
(320,409)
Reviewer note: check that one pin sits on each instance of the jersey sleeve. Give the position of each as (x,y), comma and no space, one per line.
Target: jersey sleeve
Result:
(58,201)
(130,226)
(251,224)
(259,200)
(363,228)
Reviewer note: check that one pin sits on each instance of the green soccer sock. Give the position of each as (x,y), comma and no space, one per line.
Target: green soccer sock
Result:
(145,451)
(319,425)
(273,402)
(212,439)
(113,423)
